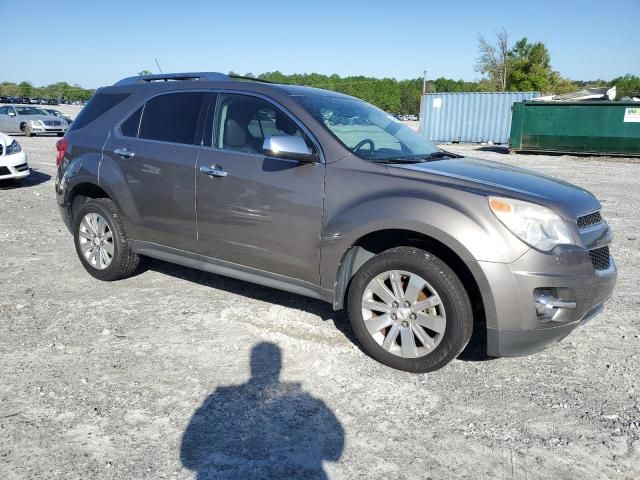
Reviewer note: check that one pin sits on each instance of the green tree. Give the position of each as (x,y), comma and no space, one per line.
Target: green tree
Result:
(25,89)
(529,67)
(145,72)
(626,86)
(9,89)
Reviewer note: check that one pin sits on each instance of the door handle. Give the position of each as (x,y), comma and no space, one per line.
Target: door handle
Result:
(213,171)
(124,152)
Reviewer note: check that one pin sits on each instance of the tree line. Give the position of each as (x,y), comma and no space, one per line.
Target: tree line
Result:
(523,66)
(58,91)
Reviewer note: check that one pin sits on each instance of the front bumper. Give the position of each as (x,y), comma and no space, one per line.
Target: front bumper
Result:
(48,129)
(513,326)
(14,166)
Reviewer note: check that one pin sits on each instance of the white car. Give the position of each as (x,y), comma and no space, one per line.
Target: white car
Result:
(13,160)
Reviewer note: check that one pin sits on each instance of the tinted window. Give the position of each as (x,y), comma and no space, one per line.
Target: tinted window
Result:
(129,128)
(244,122)
(172,117)
(99,104)
(4,110)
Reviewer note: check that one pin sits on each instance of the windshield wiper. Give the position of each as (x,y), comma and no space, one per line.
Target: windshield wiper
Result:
(401,160)
(442,153)
(418,158)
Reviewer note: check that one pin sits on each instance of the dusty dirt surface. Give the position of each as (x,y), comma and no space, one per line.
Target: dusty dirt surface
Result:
(150,377)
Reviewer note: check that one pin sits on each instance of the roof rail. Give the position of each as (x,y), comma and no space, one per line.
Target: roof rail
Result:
(249,79)
(165,77)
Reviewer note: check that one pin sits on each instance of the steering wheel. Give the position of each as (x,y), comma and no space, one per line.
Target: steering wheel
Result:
(364,142)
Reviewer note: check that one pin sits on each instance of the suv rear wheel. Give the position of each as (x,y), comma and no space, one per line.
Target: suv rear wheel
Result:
(101,241)
(409,310)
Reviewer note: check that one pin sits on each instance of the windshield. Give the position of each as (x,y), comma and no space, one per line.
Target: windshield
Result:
(367,131)
(30,111)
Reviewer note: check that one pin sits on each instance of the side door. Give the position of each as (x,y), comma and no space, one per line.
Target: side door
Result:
(258,211)
(8,123)
(155,148)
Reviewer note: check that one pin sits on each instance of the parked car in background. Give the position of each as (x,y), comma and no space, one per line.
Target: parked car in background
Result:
(420,245)
(30,121)
(13,160)
(59,114)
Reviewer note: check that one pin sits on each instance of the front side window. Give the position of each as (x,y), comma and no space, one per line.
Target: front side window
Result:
(4,110)
(30,111)
(245,121)
(172,117)
(367,131)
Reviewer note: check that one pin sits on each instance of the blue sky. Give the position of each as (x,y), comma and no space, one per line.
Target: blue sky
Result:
(95,43)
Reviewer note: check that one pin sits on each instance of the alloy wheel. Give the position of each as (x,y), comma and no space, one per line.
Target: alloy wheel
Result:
(403,313)
(96,241)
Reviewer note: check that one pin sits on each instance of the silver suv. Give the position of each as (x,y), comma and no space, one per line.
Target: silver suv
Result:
(323,195)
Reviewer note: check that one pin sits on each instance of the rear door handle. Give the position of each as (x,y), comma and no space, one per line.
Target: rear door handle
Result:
(213,171)
(124,152)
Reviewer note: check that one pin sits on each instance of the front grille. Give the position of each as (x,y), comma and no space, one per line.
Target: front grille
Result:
(589,220)
(52,123)
(4,171)
(22,168)
(600,258)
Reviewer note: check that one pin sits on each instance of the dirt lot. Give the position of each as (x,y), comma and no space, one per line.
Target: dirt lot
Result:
(150,377)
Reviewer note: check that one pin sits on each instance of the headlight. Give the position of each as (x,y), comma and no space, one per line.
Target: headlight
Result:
(534,224)
(36,123)
(14,147)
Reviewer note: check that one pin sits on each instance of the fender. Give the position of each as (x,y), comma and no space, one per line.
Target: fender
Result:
(471,237)
(114,181)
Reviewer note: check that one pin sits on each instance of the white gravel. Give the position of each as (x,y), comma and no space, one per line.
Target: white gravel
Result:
(149,377)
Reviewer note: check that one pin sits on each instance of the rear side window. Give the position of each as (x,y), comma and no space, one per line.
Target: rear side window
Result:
(99,104)
(129,127)
(172,117)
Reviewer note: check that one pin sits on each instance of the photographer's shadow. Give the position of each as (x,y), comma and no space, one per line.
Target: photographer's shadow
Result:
(262,429)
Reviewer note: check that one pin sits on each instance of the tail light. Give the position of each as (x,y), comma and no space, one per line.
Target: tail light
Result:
(61,146)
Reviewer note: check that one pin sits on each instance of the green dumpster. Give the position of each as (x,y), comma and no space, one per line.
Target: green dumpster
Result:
(602,128)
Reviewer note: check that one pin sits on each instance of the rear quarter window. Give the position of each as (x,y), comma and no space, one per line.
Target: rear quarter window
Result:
(98,105)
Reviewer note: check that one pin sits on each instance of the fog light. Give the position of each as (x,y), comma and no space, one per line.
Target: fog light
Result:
(547,304)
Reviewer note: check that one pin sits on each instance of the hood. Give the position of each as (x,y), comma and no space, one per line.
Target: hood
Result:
(493,178)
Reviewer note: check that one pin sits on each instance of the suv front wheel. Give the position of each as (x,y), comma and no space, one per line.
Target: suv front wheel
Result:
(101,241)
(409,310)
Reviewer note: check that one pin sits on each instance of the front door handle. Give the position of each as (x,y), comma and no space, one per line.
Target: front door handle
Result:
(124,152)
(213,171)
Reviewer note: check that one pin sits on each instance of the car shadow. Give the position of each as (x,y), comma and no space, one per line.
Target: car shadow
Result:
(36,178)
(264,428)
(253,291)
(476,349)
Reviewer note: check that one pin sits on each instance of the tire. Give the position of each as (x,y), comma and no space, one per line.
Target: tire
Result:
(27,130)
(448,310)
(123,261)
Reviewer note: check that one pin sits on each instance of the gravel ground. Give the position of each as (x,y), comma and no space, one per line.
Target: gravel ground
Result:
(174,373)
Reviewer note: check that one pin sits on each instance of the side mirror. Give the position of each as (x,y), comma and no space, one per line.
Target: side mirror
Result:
(12,114)
(291,147)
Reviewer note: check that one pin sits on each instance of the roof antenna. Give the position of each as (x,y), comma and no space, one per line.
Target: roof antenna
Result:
(158,65)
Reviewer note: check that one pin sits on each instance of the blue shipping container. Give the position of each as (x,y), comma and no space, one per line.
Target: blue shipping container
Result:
(472,117)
